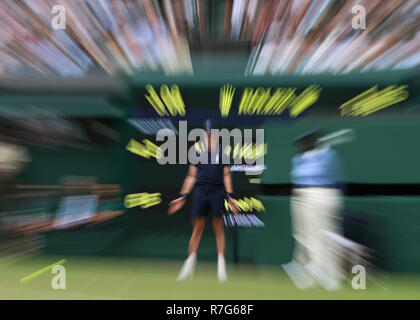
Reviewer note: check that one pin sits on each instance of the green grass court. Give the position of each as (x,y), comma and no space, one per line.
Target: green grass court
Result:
(131,278)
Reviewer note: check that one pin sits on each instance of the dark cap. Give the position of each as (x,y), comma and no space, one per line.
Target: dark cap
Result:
(314,133)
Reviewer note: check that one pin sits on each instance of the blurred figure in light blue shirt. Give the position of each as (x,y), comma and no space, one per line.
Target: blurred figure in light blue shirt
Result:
(318,167)
(315,208)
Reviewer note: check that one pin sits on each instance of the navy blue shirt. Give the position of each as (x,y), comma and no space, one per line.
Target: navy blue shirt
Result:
(212,172)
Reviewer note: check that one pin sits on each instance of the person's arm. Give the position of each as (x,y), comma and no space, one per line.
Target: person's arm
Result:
(187,186)
(189,181)
(227,179)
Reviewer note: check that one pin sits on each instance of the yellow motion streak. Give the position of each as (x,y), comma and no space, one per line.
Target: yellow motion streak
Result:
(42,271)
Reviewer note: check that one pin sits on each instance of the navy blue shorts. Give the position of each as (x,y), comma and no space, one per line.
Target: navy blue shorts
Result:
(208,198)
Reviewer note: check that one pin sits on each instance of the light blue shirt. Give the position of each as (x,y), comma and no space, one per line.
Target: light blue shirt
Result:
(317,167)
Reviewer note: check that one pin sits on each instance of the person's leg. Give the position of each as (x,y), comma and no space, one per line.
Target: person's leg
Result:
(187,270)
(217,208)
(198,228)
(332,255)
(323,265)
(300,228)
(199,210)
(219,231)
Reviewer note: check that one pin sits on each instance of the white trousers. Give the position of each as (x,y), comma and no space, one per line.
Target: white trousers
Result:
(315,210)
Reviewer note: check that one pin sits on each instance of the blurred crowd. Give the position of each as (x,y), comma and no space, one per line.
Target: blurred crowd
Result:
(126,36)
(100,35)
(301,37)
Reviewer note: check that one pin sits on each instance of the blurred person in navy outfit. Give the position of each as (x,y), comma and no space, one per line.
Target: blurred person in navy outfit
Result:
(213,183)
